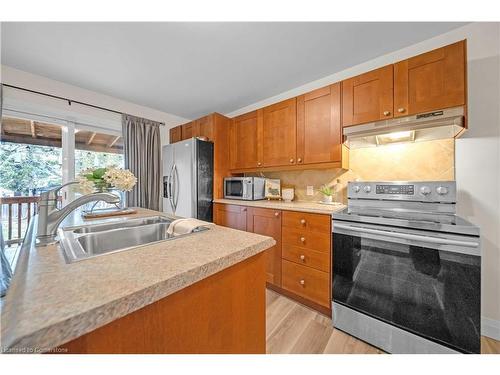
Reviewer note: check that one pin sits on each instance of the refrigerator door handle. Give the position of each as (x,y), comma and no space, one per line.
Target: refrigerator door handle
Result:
(175,194)
(170,195)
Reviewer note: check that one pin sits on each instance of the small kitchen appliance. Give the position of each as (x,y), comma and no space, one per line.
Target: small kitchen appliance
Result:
(244,188)
(407,269)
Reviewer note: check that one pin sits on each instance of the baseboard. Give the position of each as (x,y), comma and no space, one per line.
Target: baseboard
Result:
(490,328)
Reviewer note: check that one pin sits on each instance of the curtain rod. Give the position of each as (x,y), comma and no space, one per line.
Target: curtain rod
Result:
(65,99)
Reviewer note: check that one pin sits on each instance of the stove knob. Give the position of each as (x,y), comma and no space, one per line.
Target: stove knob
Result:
(356,188)
(425,190)
(367,189)
(442,190)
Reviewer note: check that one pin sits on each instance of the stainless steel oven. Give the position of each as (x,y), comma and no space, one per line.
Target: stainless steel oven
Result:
(407,275)
(244,188)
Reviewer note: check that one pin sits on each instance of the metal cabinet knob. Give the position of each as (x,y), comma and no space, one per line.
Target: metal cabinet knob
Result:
(302,221)
(387,113)
(299,160)
(302,257)
(302,282)
(291,160)
(259,163)
(276,214)
(302,239)
(401,110)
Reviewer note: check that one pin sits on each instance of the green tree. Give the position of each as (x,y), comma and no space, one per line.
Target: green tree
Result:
(26,167)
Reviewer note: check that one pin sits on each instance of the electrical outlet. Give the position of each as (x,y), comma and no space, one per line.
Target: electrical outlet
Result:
(310,190)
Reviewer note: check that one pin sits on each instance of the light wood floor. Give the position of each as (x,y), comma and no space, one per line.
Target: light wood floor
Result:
(295,328)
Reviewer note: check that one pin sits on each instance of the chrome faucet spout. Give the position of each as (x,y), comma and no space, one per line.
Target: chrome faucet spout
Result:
(50,217)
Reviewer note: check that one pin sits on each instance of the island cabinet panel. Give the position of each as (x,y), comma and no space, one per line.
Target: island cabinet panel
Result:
(368,97)
(175,134)
(431,81)
(231,216)
(319,132)
(279,134)
(268,223)
(245,143)
(188,130)
(224,313)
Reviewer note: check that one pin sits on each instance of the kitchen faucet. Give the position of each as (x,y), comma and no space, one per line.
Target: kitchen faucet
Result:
(50,216)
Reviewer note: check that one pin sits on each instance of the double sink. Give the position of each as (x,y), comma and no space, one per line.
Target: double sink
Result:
(88,241)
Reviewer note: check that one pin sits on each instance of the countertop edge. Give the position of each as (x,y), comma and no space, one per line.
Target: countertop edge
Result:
(49,337)
(297,206)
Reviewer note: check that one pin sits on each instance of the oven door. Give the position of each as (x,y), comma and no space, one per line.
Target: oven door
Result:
(427,283)
(237,188)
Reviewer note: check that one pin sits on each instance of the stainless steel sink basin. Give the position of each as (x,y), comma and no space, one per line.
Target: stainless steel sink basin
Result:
(88,241)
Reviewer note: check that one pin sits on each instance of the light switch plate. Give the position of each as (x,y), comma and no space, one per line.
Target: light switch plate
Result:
(310,190)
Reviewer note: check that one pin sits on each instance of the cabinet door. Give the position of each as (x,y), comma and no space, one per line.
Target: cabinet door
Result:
(231,216)
(244,141)
(431,81)
(175,134)
(204,127)
(368,97)
(188,130)
(279,134)
(268,223)
(318,126)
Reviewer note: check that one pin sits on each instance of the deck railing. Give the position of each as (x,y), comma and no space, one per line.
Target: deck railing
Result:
(15,216)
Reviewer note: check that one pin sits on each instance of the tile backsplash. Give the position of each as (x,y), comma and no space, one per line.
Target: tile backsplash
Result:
(422,161)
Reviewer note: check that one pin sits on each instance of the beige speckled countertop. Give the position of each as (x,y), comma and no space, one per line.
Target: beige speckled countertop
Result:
(301,206)
(51,302)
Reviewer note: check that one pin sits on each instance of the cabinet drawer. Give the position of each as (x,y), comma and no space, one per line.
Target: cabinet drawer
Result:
(306,282)
(307,257)
(304,221)
(310,240)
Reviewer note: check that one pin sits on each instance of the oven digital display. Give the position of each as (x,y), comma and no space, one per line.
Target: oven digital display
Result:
(395,189)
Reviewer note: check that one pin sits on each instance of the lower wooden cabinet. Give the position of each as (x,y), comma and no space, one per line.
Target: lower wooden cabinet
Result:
(307,282)
(299,265)
(268,223)
(231,216)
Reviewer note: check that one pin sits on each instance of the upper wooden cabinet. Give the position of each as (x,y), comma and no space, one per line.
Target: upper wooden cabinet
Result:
(368,97)
(204,127)
(188,130)
(175,134)
(319,132)
(431,81)
(245,150)
(279,134)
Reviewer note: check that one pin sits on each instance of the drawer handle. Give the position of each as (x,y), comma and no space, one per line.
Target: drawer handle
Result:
(303,221)
(387,113)
(302,257)
(302,282)
(276,214)
(259,163)
(291,160)
(302,239)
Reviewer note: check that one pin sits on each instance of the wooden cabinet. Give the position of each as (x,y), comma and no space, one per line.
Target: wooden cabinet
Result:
(307,282)
(231,216)
(279,134)
(188,130)
(319,132)
(175,134)
(268,223)
(368,97)
(431,81)
(204,127)
(245,150)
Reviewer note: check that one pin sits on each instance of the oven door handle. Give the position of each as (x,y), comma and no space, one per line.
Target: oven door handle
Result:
(408,236)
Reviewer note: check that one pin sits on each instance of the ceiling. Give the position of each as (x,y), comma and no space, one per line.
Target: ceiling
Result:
(191,69)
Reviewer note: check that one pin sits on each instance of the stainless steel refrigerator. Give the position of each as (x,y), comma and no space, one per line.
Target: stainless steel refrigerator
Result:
(188,174)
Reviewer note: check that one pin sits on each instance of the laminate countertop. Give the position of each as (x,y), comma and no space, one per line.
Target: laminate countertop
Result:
(301,206)
(51,302)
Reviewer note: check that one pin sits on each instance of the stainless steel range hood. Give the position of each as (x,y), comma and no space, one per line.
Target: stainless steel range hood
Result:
(446,123)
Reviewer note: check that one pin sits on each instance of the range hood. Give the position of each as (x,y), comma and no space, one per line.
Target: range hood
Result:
(442,124)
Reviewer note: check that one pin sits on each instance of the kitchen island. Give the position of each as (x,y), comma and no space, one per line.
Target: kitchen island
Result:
(203,293)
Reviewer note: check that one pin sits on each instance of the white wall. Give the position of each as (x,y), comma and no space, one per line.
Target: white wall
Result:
(35,82)
(477,156)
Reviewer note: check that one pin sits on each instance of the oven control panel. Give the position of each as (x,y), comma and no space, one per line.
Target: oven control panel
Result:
(425,191)
(395,189)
